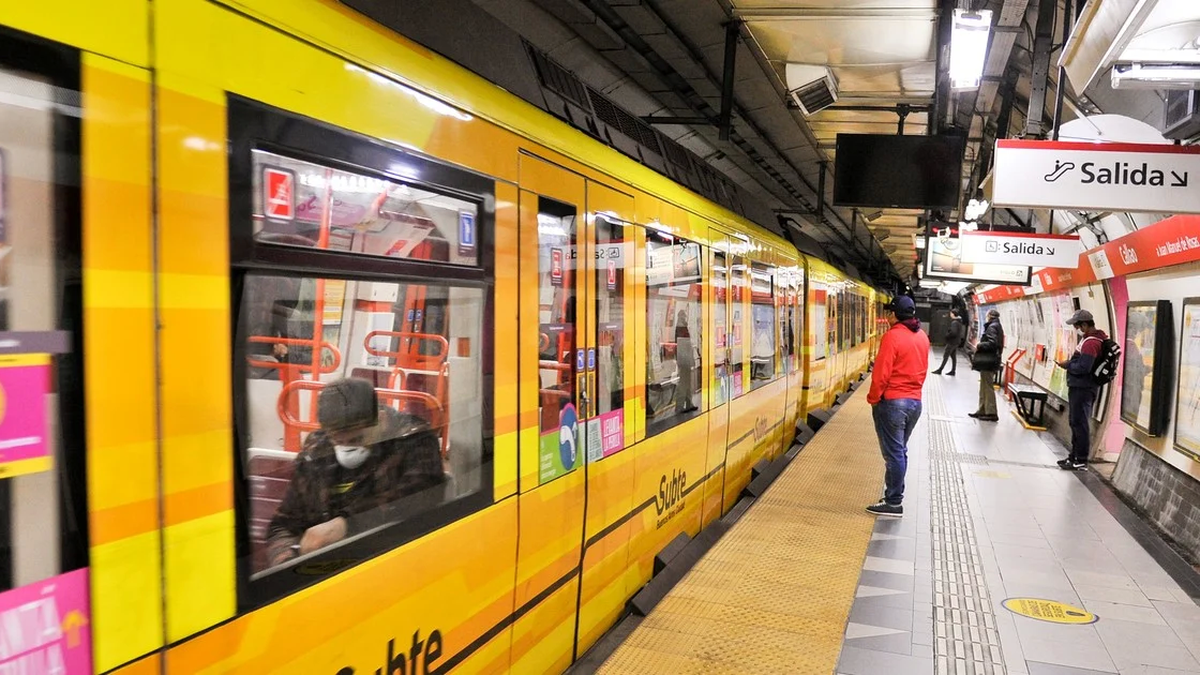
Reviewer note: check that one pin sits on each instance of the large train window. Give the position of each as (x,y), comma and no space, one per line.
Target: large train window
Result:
(557,240)
(736,353)
(762,315)
(362,377)
(786,282)
(43,516)
(674,338)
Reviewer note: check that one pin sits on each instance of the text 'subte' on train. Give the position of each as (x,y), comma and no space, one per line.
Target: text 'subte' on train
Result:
(195,246)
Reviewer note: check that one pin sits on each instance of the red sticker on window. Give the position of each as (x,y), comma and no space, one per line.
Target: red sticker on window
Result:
(280,194)
(612,274)
(556,267)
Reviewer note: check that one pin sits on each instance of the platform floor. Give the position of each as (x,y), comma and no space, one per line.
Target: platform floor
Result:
(806,583)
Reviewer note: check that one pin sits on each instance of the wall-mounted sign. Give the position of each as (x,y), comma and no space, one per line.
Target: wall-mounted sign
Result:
(1097,176)
(1019,248)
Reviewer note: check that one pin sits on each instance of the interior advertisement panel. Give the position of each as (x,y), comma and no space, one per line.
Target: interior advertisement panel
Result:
(1187,403)
(1149,365)
(944,260)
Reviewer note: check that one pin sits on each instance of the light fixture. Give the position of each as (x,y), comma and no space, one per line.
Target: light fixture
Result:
(975,209)
(968,48)
(1155,76)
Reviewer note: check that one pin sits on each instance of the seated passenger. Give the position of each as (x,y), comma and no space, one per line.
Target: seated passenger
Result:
(355,473)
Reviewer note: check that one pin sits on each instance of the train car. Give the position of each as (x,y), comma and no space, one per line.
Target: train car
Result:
(218,209)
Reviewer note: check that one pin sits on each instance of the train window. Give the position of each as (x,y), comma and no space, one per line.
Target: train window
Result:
(612,250)
(43,516)
(408,221)
(786,283)
(363,348)
(557,368)
(720,284)
(736,353)
(762,336)
(798,319)
(673,293)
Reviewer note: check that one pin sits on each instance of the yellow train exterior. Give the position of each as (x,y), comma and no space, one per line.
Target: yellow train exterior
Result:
(533,577)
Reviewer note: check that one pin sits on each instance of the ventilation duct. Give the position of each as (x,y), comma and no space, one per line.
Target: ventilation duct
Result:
(1182,115)
(813,88)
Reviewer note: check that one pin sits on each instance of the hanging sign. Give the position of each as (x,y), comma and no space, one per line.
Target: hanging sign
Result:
(1019,248)
(1097,176)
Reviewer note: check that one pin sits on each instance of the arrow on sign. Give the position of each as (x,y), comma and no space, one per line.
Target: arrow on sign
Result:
(1180,181)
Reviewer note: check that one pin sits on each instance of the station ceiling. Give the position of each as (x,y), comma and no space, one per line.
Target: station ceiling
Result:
(665,61)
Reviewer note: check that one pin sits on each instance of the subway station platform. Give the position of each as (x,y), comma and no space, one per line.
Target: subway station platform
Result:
(1002,563)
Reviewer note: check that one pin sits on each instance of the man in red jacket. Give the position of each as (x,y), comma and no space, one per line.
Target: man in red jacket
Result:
(895,397)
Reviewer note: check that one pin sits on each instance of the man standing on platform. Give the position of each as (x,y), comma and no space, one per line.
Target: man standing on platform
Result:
(1081,388)
(895,397)
(989,354)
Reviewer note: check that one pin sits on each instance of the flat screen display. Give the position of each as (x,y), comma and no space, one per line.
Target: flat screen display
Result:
(904,172)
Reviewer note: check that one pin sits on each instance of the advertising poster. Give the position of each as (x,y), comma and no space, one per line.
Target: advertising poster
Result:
(24,383)
(559,451)
(1139,365)
(46,627)
(1187,406)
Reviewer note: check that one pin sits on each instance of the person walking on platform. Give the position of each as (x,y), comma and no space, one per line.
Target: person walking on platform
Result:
(895,397)
(954,340)
(988,354)
(1081,387)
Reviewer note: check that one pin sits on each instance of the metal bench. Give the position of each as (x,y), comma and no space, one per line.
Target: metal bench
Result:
(1031,403)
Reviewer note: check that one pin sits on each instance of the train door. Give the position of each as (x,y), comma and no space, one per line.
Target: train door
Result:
(720,294)
(610,411)
(555,402)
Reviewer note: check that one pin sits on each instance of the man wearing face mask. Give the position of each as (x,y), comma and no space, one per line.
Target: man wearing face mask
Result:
(1081,388)
(366,466)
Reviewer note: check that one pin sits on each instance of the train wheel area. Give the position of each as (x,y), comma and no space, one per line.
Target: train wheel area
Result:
(1002,563)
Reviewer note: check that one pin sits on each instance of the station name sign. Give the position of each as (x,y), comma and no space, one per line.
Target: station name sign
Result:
(1097,176)
(1019,248)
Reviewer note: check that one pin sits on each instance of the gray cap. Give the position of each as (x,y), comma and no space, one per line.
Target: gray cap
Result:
(347,404)
(1080,317)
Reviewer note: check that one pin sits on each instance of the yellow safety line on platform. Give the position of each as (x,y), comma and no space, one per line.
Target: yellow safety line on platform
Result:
(774,594)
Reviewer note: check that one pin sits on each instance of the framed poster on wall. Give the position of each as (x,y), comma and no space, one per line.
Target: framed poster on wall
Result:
(1187,399)
(1149,355)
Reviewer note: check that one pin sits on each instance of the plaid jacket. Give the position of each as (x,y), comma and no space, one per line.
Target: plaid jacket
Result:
(407,462)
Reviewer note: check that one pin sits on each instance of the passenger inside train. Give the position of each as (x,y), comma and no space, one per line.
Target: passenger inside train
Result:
(363,399)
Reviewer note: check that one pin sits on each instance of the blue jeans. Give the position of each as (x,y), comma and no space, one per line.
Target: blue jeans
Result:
(895,420)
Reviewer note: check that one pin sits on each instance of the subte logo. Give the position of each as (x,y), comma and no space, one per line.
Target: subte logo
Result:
(422,655)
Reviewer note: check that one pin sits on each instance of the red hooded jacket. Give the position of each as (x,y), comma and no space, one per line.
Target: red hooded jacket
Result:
(902,363)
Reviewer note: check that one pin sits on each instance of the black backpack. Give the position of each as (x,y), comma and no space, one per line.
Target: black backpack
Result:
(1104,369)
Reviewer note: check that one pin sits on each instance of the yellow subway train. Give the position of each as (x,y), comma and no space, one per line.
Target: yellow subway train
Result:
(222,218)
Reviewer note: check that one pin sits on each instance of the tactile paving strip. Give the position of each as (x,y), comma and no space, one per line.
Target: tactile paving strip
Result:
(774,594)
(965,638)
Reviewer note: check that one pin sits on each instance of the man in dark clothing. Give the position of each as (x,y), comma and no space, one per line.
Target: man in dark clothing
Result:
(954,340)
(895,397)
(1081,388)
(367,466)
(988,354)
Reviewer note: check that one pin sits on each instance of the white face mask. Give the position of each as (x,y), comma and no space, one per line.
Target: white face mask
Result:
(1080,332)
(350,456)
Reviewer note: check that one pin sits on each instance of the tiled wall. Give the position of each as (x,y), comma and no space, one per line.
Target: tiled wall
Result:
(1168,497)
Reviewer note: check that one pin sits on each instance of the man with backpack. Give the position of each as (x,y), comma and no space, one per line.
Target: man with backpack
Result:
(1092,351)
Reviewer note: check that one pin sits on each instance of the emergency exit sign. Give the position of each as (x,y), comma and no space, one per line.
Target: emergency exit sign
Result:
(1097,176)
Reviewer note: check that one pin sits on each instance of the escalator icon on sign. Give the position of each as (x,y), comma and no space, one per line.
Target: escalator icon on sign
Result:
(1060,169)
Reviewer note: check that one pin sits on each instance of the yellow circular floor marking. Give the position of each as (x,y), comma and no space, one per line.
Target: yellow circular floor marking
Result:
(1049,610)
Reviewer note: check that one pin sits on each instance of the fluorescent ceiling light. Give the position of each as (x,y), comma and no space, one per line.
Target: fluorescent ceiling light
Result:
(968,48)
(1155,76)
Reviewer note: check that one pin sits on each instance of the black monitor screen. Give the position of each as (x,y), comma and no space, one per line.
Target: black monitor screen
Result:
(907,172)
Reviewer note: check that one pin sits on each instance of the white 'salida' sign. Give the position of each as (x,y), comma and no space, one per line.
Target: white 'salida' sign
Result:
(1097,176)
(1019,248)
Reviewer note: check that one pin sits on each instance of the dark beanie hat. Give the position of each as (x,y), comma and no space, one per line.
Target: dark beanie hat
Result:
(350,403)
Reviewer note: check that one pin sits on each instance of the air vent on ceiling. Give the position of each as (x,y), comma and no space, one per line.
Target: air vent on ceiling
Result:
(558,79)
(1182,114)
(813,88)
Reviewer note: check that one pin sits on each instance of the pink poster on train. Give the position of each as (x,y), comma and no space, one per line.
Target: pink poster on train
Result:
(24,380)
(612,432)
(46,627)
